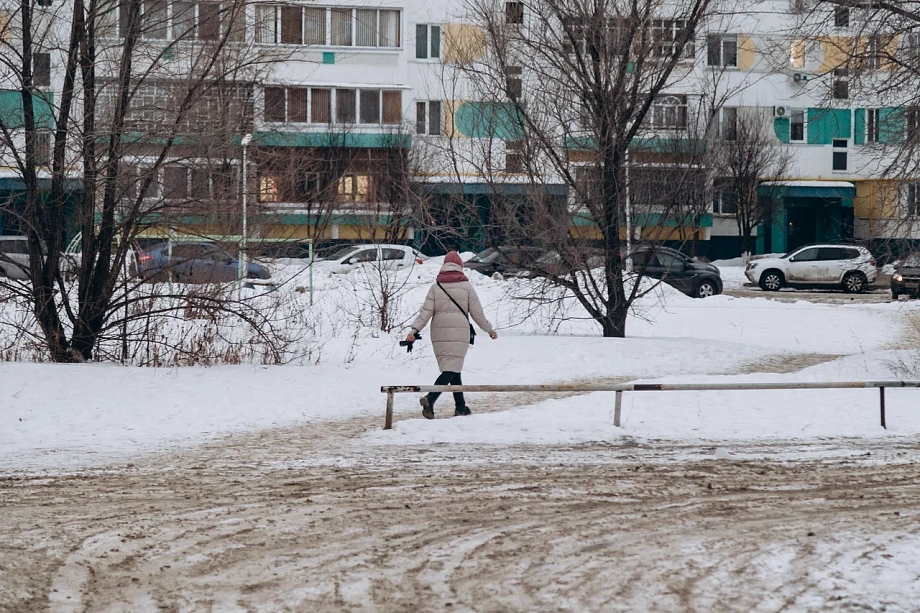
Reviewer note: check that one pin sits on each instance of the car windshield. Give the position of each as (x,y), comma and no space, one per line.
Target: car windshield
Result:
(486,257)
(912,261)
(338,254)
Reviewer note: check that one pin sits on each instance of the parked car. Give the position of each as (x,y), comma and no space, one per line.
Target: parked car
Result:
(505,260)
(848,267)
(389,257)
(14,257)
(553,263)
(906,277)
(683,273)
(193,262)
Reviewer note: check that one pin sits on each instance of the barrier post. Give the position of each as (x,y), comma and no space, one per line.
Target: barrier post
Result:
(388,423)
(617,408)
(881,393)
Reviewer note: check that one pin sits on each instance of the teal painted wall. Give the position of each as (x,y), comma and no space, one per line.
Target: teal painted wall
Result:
(859,127)
(824,125)
(11,109)
(891,125)
(327,139)
(488,120)
(782,128)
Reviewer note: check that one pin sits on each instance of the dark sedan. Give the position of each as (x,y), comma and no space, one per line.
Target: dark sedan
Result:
(686,275)
(193,262)
(906,278)
(503,260)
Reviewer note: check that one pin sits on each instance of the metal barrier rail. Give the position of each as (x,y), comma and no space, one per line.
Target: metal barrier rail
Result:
(619,388)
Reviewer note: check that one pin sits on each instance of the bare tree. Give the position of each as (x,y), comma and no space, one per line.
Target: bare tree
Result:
(586,129)
(745,157)
(151,105)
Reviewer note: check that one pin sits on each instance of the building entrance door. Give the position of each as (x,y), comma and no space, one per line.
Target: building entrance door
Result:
(801,227)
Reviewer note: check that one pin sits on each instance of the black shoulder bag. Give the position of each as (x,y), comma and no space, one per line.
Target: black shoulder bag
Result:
(465,314)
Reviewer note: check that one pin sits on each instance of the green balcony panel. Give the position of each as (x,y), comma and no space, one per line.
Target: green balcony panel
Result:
(824,125)
(11,109)
(782,129)
(489,120)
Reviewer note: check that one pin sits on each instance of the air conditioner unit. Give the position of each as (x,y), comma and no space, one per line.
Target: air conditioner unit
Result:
(799,77)
(782,111)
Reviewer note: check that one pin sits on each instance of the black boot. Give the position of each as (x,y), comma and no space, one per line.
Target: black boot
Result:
(427,408)
(462,410)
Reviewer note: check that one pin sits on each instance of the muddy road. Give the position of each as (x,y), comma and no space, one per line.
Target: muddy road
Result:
(314,519)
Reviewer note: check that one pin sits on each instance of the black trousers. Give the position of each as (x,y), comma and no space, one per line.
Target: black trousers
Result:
(448,378)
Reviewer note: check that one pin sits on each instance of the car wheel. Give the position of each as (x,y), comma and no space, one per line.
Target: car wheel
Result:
(705,289)
(854,283)
(772,281)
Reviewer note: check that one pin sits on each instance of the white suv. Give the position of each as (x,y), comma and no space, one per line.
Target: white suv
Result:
(816,266)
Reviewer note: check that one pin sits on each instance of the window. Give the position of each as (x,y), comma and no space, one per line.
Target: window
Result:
(275,104)
(314,26)
(841,83)
(341,27)
(722,50)
(912,198)
(320,105)
(669,112)
(154,19)
(366,28)
(427,42)
(872,125)
(806,255)
(393,254)
(392,107)
(353,188)
(514,12)
(175,183)
(841,17)
(912,124)
(871,59)
(345,100)
(910,46)
(370,106)
(41,69)
(266,24)
(839,161)
(268,188)
(797,126)
(42,148)
(668,36)
(513,84)
(514,156)
(345,27)
(725,200)
(297,105)
(208,21)
(728,123)
(428,117)
(291,25)
(828,254)
(388,30)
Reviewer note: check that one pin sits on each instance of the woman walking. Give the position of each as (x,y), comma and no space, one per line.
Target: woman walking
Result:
(450,303)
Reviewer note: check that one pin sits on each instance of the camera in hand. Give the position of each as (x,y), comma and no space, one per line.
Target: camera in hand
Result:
(408,344)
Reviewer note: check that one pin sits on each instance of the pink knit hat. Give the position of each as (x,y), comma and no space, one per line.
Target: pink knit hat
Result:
(453,258)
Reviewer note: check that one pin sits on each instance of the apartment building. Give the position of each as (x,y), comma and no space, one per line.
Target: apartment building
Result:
(357,111)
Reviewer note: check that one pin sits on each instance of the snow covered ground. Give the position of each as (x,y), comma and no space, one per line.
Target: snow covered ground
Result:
(274,489)
(76,415)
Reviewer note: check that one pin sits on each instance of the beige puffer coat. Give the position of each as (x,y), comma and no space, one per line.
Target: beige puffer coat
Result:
(450,330)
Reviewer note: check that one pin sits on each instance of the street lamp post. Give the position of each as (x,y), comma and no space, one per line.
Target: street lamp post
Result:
(242,269)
